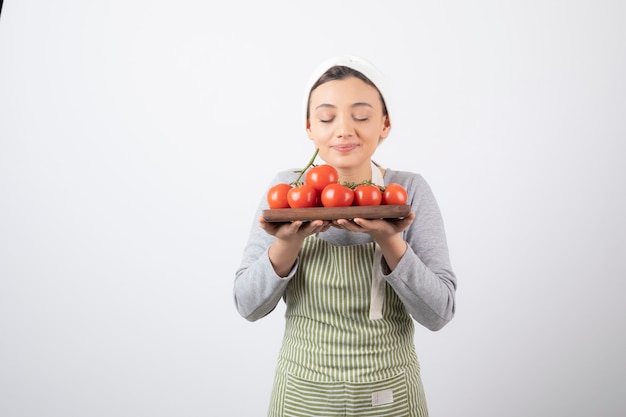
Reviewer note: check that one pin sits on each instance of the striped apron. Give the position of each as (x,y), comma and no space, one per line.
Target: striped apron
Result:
(348,347)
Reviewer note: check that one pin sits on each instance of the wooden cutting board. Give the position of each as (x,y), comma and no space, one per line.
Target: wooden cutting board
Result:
(333,213)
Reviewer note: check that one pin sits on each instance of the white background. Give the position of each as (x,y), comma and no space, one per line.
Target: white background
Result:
(137,137)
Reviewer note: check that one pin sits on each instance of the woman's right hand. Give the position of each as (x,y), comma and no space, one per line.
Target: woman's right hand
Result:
(289,237)
(294,232)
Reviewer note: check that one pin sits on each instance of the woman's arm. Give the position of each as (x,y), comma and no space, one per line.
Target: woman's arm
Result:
(423,277)
(258,288)
(269,261)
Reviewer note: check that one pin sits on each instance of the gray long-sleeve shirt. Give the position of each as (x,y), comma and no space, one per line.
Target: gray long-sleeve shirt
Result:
(423,279)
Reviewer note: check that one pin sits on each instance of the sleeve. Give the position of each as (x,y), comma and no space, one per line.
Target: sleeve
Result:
(424,279)
(257,288)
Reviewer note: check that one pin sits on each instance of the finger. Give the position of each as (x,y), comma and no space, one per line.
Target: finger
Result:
(295,226)
(364,223)
(350,225)
(406,222)
(342,222)
(401,224)
(267,226)
(321,226)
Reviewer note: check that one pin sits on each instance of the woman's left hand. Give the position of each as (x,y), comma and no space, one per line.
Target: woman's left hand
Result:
(379,229)
(385,232)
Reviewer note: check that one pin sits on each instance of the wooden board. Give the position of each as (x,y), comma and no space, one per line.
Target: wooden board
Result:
(333,213)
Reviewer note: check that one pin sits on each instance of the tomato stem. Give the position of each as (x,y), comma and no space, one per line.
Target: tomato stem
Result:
(307,166)
(353,185)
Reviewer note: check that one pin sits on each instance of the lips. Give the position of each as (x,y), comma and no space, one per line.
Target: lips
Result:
(344,147)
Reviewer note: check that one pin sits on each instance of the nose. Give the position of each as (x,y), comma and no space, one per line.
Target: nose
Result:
(345,128)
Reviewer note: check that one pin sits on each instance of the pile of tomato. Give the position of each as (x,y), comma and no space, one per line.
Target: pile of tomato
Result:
(321,188)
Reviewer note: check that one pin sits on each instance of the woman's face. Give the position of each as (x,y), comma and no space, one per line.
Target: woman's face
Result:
(346,123)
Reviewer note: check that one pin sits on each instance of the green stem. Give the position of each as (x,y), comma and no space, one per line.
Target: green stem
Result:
(307,165)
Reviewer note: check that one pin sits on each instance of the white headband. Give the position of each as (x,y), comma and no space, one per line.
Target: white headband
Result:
(356,63)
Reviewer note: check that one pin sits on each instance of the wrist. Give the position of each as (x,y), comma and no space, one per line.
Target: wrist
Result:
(393,250)
(282,255)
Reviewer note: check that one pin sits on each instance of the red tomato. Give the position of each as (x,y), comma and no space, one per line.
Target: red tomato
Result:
(302,196)
(337,195)
(367,195)
(395,194)
(320,176)
(277,196)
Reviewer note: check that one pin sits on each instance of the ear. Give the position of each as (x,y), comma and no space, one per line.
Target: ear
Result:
(386,128)
(308,128)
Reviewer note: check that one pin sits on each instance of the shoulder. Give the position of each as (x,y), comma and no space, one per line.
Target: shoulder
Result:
(286,175)
(417,187)
(410,180)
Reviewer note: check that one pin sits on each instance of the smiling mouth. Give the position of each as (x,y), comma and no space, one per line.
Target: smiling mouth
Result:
(344,148)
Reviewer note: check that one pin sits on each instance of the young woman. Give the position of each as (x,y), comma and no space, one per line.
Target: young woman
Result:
(352,288)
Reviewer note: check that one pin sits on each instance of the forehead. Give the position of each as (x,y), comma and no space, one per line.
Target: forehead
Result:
(347,91)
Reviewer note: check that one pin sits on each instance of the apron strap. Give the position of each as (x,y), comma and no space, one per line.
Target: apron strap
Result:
(377,176)
(378,287)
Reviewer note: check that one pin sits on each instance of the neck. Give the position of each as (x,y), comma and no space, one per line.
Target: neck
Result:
(355,175)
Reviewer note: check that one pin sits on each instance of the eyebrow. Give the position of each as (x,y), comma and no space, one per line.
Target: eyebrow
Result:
(358,104)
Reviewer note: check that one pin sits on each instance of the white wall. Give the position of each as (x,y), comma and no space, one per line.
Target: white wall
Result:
(136,138)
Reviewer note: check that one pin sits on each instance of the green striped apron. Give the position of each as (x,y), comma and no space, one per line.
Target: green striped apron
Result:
(348,347)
